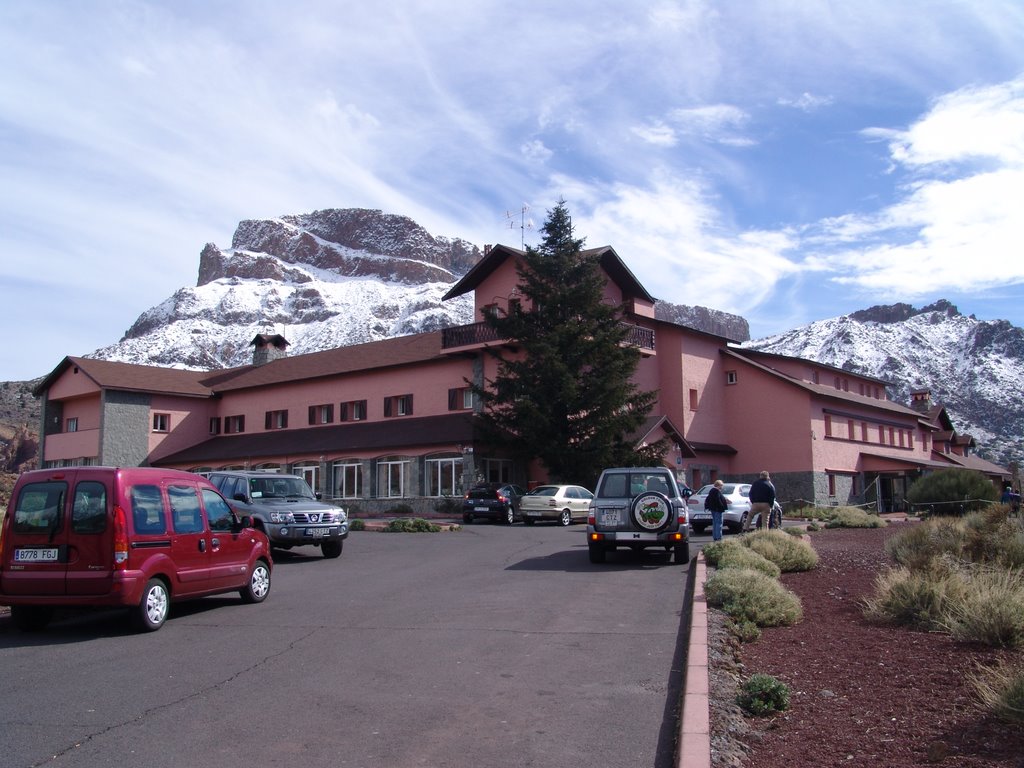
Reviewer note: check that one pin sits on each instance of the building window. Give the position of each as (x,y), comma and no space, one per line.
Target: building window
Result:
(489,310)
(498,470)
(814,377)
(391,479)
(310,473)
(354,410)
(881,435)
(851,430)
(71,425)
(444,477)
(234,424)
(864,431)
(161,422)
(730,377)
(892,436)
(399,405)
(693,399)
(276,420)
(214,425)
(348,479)
(831,484)
(321,414)
(828,425)
(460,399)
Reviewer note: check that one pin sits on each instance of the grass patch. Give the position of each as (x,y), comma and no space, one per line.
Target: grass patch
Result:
(1000,689)
(748,595)
(739,556)
(853,517)
(990,609)
(915,599)
(788,553)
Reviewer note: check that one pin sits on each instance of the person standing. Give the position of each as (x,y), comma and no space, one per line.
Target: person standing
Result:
(762,497)
(716,503)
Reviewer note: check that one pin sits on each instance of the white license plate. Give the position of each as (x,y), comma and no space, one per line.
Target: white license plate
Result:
(317,533)
(481,509)
(700,517)
(610,516)
(638,537)
(48,555)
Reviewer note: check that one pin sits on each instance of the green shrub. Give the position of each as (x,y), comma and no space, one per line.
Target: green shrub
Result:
(952,491)
(990,609)
(744,630)
(750,595)
(789,554)
(714,552)
(918,599)
(744,557)
(357,525)
(1000,689)
(853,517)
(407,525)
(920,545)
(763,695)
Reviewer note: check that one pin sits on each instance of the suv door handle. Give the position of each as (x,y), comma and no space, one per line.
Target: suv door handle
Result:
(202,545)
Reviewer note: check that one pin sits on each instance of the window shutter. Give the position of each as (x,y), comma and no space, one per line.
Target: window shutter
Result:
(268,422)
(387,406)
(453,399)
(408,405)
(312,414)
(241,423)
(284,419)
(343,412)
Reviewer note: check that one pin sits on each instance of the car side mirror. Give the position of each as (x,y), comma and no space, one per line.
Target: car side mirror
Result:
(245,521)
(240,497)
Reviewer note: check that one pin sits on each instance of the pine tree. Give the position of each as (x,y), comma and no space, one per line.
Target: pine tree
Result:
(567,397)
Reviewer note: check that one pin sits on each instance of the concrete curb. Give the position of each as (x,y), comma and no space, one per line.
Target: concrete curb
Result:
(695,718)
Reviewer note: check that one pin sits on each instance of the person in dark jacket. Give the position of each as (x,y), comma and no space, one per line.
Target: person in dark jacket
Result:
(762,497)
(716,503)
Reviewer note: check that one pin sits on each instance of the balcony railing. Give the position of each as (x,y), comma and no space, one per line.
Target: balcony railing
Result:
(481,333)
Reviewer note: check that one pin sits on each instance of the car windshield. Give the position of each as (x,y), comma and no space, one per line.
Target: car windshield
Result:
(279,487)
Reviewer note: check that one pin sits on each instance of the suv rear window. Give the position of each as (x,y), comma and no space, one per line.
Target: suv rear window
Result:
(623,484)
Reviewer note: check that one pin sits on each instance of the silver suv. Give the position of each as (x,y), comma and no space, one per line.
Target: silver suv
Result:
(285,509)
(637,507)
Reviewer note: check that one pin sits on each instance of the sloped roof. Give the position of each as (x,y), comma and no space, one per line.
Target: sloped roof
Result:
(401,350)
(613,266)
(830,393)
(130,377)
(777,356)
(665,423)
(976,463)
(336,439)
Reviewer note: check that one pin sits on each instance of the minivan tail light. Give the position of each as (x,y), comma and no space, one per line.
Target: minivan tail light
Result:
(120,539)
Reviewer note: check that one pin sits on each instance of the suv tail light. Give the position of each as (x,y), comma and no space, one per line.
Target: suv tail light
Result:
(120,539)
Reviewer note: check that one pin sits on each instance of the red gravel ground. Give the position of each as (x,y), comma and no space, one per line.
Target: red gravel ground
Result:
(862,695)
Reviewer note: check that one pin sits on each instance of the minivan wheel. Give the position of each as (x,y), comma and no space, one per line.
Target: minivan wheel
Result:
(565,518)
(151,612)
(331,549)
(259,584)
(31,618)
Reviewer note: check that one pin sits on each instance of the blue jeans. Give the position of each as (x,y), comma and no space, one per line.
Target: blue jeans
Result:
(716,525)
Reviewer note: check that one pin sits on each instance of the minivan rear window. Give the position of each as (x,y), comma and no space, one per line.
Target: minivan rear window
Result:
(39,507)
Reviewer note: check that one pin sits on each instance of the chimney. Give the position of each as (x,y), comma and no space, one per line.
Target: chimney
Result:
(267,348)
(487,248)
(921,400)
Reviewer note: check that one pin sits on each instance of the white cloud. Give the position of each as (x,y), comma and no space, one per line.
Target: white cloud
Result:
(807,102)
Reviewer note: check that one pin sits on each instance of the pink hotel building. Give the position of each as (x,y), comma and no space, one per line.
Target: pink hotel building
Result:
(391,421)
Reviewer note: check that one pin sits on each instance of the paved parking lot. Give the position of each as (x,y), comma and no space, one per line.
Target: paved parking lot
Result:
(491,646)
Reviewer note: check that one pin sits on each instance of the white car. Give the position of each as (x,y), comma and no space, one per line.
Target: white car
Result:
(564,503)
(734,517)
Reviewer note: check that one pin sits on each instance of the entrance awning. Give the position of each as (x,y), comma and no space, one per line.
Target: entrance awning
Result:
(875,462)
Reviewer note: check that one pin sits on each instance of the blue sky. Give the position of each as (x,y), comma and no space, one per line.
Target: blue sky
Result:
(786,161)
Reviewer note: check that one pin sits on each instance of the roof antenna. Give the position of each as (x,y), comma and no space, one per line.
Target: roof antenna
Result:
(524,223)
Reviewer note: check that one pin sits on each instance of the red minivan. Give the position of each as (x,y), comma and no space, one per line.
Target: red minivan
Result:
(136,537)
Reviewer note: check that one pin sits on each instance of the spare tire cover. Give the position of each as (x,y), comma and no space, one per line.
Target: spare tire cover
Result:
(651,511)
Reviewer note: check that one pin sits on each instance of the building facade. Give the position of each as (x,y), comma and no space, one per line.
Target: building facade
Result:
(391,423)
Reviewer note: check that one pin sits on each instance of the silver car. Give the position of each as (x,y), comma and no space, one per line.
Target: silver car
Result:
(734,518)
(564,503)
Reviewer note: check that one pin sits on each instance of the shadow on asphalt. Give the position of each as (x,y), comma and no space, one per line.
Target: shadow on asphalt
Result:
(576,560)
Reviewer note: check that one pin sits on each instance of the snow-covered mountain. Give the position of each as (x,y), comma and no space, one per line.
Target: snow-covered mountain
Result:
(974,368)
(325,279)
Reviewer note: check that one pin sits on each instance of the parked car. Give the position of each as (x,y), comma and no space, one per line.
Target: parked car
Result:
(734,518)
(564,503)
(498,502)
(637,507)
(140,538)
(285,509)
